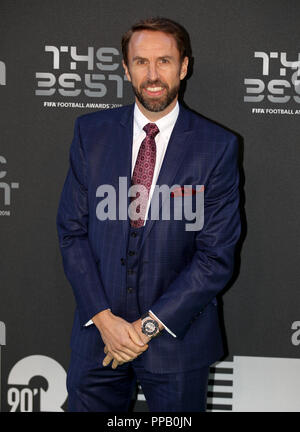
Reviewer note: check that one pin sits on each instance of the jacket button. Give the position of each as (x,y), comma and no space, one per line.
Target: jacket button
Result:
(122,261)
(129,289)
(131,253)
(133,234)
(130,271)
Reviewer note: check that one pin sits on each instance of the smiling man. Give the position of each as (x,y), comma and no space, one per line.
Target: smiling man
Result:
(145,288)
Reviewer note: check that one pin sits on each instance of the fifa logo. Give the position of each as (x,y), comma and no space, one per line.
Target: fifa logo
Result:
(2,73)
(268,85)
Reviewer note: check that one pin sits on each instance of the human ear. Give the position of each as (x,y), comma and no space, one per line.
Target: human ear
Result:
(184,68)
(126,71)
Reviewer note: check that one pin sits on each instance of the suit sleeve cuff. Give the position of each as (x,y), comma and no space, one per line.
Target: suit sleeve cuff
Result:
(166,328)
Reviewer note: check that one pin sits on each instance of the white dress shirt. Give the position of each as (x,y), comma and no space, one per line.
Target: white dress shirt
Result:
(165,126)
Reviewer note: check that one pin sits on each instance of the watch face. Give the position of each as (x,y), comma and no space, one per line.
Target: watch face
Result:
(150,327)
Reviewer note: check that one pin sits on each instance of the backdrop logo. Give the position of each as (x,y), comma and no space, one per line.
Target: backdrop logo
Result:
(2,73)
(295,339)
(37,383)
(277,82)
(95,74)
(7,189)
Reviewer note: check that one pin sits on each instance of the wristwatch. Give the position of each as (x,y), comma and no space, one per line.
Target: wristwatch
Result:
(149,326)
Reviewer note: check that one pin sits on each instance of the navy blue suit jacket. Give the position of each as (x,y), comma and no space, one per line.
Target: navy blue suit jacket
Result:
(180,272)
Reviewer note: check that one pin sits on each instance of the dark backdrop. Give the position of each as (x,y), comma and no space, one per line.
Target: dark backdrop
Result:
(244,77)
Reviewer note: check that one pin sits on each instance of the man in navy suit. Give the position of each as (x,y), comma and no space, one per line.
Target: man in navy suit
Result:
(145,285)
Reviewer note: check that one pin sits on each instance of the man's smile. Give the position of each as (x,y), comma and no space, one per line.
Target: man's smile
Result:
(154,91)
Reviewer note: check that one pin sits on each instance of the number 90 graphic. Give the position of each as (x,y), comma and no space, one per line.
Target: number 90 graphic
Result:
(21,399)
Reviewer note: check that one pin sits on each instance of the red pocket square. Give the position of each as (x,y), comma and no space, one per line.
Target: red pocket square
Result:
(185,190)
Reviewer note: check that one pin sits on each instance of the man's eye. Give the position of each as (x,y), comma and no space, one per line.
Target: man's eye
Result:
(164,60)
(140,61)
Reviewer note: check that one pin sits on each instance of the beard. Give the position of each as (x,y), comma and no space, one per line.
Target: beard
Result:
(156,105)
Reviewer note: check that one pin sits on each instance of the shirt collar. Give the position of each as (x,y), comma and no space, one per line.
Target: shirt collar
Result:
(164,124)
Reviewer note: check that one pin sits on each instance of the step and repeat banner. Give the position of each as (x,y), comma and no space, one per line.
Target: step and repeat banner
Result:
(62,59)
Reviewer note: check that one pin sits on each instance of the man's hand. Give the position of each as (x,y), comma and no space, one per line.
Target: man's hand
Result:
(122,340)
(115,362)
(146,339)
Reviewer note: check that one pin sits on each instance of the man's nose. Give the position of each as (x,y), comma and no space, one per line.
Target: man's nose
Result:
(152,72)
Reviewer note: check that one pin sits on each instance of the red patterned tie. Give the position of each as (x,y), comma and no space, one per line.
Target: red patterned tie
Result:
(144,169)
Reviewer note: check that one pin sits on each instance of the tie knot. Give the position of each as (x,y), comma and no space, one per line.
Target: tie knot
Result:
(151,129)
